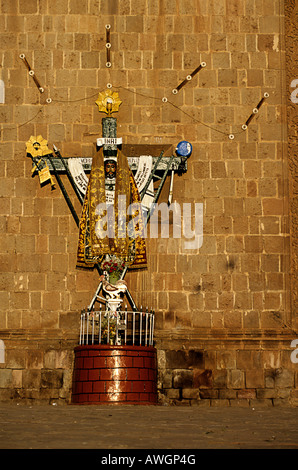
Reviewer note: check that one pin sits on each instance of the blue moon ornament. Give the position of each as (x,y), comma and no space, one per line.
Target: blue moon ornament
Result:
(184,149)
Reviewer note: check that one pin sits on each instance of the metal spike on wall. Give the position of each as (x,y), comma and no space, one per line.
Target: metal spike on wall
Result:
(2,92)
(32,73)
(2,88)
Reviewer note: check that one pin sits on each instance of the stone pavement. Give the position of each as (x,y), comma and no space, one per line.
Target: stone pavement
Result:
(147,427)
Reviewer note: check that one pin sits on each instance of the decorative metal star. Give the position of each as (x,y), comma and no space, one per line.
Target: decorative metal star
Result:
(37,146)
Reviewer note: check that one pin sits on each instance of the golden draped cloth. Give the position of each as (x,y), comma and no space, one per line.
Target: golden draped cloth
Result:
(99,232)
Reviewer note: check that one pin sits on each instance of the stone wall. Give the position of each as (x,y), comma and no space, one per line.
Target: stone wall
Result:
(224,313)
(233,375)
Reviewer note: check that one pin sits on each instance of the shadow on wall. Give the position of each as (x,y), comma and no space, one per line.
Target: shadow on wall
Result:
(2,352)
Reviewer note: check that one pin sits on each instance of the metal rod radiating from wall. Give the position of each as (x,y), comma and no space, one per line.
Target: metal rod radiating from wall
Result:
(108,45)
(255,111)
(31,73)
(65,166)
(117,319)
(81,329)
(153,326)
(146,327)
(64,192)
(87,328)
(91,325)
(188,78)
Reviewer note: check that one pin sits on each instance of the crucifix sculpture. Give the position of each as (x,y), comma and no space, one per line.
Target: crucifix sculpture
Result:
(107,236)
(117,200)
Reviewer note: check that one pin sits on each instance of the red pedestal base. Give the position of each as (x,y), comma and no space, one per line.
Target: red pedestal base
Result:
(105,374)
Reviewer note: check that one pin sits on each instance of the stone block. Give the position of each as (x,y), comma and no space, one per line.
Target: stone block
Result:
(265,42)
(248,394)
(266,393)
(78,7)
(274,244)
(233,320)
(253,244)
(6,394)
(183,319)
(134,24)
(261,402)
(219,379)
(50,359)
(165,378)
(5,378)
(195,358)
(205,403)
(90,60)
(269,379)
(57,132)
(161,359)
(64,360)
(16,359)
(17,378)
(196,302)
(176,359)
(67,384)
(210,359)
(35,359)
(284,392)
(190,393)
(227,78)
(51,378)
(254,378)
(284,378)
(69,321)
(242,402)
(240,267)
(243,301)
(285,402)
(271,359)
(29,6)
(184,359)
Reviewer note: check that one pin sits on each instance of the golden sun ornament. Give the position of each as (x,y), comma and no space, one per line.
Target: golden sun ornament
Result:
(37,146)
(108,102)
